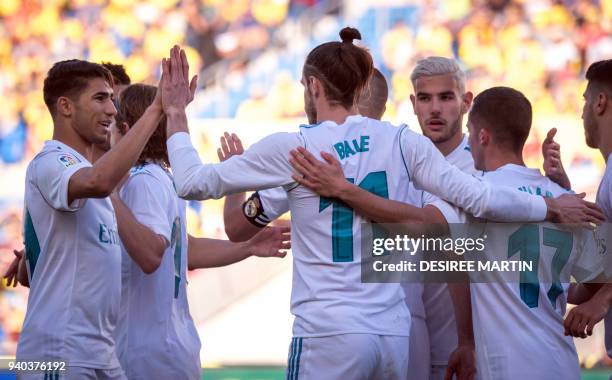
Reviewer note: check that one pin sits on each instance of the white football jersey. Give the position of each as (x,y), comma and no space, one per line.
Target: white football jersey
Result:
(74,266)
(437,304)
(518,318)
(328,296)
(604,200)
(154,320)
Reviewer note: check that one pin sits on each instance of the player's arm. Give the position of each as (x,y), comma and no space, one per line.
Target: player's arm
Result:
(237,225)
(327,180)
(264,165)
(579,293)
(211,253)
(22,272)
(14,273)
(99,180)
(431,172)
(143,245)
(580,321)
(593,292)
(462,361)
(553,166)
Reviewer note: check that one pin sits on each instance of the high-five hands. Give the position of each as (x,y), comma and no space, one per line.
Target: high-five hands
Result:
(176,89)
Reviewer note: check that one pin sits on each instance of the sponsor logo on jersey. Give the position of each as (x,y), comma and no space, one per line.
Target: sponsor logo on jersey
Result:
(108,235)
(67,160)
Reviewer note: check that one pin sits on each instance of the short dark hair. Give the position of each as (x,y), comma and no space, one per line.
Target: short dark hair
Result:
(120,76)
(133,102)
(342,67)
(373,98)
(600,75)
(506,113)
(69,78)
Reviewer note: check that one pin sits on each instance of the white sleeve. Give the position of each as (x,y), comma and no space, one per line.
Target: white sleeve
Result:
(52,172)
(431,172)
(264,165)
(144,196)
(592,260)
(274,202)
(452,214)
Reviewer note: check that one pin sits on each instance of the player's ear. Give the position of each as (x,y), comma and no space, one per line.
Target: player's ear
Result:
(315,87)
(467,101)
(123,128)
(602,103)
(64,106)
(413,101)
(484,137)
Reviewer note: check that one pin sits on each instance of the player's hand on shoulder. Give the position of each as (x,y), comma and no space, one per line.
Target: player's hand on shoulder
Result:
(230,146)
(581,319)
(11,273)
(573,209)
(270,242)
(325,178)
(461,363)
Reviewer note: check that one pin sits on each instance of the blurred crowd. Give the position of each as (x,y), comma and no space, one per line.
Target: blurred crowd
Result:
(250,52)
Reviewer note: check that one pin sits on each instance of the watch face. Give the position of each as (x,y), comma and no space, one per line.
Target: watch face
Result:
(251,207)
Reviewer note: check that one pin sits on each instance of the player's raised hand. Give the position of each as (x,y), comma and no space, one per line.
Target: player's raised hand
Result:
(461,363)
(323,177)
(11,273)
(270,242)
(176,89)
(553,166)
(230,146)
(573,209)
(581,319)
(157,101)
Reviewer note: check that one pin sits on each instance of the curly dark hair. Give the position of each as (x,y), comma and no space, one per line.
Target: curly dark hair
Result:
(133,102)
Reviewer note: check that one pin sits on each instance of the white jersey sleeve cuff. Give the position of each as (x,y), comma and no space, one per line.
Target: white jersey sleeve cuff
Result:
(538,210)
(178,141)
(76,204)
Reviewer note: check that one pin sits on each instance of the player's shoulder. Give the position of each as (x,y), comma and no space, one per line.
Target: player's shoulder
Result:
(54,157)
(145,168)
(149,175)
(55,150)
(280,139)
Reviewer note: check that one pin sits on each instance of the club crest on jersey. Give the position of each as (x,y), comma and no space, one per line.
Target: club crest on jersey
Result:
(67,160)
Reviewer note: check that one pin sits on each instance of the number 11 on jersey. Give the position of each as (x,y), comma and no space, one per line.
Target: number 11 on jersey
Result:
(342,215)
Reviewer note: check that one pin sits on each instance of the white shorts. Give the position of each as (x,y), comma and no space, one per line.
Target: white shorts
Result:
(348,356)
(77,373)
(419,364)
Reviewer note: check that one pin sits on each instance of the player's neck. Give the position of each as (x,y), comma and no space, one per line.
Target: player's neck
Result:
(337,114)
(605,147)
(447,146)
(96,153)
(64,133)
(496,159)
